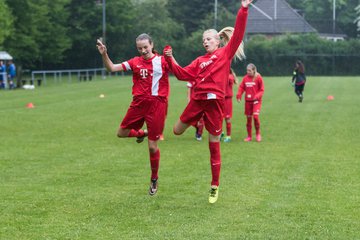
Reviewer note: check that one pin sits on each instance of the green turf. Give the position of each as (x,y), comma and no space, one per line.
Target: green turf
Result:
(65,175)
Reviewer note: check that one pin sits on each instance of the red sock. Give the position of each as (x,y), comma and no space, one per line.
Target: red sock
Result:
(200,126)
(154,163)
(249,126)
(134,133)
(228,128)
(257,123)
(215,161)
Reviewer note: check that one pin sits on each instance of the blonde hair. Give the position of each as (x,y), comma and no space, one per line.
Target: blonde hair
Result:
(253,67)
(236,80)
(224,36)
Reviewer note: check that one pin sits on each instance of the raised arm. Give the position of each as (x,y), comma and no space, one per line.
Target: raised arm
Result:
(239,29)
(110,66)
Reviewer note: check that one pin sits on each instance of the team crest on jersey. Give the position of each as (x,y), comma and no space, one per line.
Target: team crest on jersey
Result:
(143,73)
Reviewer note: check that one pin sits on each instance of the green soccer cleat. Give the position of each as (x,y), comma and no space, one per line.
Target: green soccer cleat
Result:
(222,136)
(214,194)
(227,139)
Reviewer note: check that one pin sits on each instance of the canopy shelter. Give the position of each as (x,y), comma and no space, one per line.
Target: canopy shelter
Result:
(5,56)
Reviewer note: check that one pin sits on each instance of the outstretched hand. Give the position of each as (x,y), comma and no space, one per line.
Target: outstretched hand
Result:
(246,3)
(101,47)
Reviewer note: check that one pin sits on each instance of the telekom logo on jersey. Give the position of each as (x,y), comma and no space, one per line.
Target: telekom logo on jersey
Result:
(143,73)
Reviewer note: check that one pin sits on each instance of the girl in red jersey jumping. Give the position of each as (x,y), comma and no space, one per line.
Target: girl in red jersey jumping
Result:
(150,98)
(211,72)
(228,104)
(253,87)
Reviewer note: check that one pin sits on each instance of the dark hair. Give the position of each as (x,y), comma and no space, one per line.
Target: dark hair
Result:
(145,36)
(300,66)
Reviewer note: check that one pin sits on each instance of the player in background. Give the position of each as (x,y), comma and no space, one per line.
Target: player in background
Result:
(210,73)
(300,79)
(199,126)
(253,87)
(229,105)
(150,98)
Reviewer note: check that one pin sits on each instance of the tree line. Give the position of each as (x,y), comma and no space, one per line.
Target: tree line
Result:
(43,34)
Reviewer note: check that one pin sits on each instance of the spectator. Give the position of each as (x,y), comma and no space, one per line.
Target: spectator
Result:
(2,74)
(12,74)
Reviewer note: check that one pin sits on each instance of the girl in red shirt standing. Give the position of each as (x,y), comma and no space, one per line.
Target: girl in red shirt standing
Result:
(210,73)
(150,98)
(228,104)
(253,87)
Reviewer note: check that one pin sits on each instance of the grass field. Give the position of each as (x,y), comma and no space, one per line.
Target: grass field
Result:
(65,175)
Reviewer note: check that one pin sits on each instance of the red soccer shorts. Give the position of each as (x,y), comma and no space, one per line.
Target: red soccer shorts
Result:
(228,108)
(252,108)
(212,110)
(151,110)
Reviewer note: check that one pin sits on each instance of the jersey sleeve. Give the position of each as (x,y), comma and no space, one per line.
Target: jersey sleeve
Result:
(241,89)
(184,74)
(239,31)
(261,88)
(128,65)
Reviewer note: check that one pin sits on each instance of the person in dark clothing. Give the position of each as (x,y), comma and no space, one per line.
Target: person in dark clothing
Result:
(299,79)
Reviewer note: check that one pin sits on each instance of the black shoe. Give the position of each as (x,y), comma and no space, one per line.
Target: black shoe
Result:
(153,187)
(301,98)
(141,139)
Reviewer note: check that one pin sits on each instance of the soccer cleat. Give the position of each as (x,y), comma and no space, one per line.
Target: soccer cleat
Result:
(227,139)
(198,137)
(258,137)
(248,139)
(301,97)
(153,187)
(141,139)
(214,194)
(222,136)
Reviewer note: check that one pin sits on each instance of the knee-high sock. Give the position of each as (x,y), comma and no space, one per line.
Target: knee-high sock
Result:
(249,126)
(200,127)
(134,133)
(257,124)
(228,128)
(215,161)
(154,163)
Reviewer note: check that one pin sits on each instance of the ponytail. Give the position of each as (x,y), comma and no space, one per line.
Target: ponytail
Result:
(236,80)
(226,34)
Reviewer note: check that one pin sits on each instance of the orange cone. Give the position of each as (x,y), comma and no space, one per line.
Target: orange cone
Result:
(30,105)
(330,98)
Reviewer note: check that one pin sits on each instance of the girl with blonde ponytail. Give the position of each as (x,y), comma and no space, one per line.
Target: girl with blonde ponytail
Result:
(210,73)
(253,87)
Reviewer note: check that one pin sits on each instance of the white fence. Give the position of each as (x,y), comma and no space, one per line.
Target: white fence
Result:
(59,75)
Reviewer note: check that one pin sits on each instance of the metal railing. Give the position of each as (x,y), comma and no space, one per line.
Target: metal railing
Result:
(82,74)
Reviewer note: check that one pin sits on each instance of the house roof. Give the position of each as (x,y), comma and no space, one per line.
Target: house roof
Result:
(275,17)
(5,56)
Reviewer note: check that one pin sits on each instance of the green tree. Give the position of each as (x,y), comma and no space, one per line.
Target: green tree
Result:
(39,32)
(6,21)
(357,20)
(85,25)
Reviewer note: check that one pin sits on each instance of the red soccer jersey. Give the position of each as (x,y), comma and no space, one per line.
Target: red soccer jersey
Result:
(230,85)
(253,88)
(211,71)
(150,77)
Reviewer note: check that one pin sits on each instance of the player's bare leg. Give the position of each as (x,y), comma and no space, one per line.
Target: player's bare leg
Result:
(180,127)
(215,161)
(154,164)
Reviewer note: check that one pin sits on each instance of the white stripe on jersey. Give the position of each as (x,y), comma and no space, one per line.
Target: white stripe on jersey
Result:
(157,74)
(127,66)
